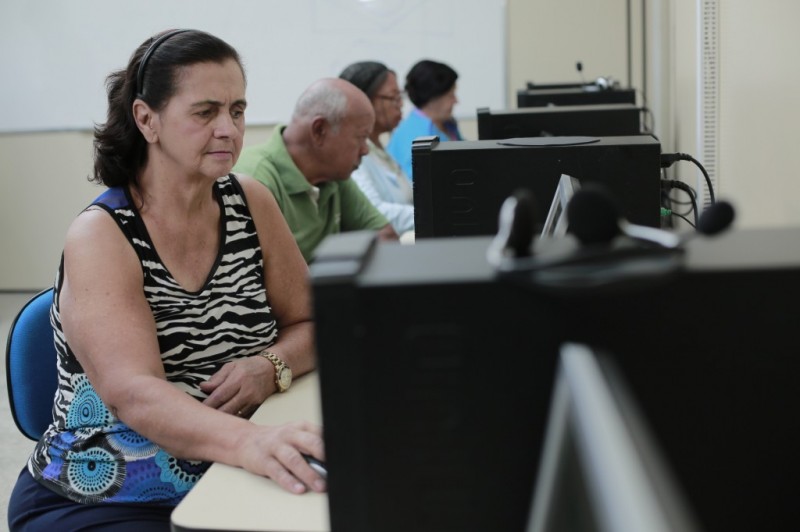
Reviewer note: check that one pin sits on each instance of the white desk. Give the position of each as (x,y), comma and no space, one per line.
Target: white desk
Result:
(229,498)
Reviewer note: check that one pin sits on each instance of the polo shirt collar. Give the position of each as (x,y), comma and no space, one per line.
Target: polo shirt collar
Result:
(294,181)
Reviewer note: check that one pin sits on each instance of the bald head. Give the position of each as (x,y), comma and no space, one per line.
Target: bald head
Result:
(328,133)
(333,99)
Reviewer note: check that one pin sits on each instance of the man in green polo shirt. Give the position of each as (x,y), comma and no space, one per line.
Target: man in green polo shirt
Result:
(307,165)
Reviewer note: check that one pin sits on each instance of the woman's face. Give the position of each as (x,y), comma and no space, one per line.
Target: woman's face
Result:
(388,104)
(200,130)
(441,108)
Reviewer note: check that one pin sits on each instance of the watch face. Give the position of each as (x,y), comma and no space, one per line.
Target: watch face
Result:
(284,378)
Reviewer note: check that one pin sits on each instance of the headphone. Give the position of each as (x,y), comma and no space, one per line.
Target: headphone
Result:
(606,83)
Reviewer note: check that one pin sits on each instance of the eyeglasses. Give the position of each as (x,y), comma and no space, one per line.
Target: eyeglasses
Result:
(397,100)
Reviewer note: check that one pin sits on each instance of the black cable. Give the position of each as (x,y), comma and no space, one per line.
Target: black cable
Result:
(688,212)
(667,200)
(680,185)
(652,121)
(644,47)
(668,158)
(649,128)
(681,203)
(667,185)
(685,219)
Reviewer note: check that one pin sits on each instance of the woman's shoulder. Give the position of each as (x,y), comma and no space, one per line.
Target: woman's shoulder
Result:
(414,120)
(407,130)
(94,243)
(109,212)
(256,194)
(113,198)
(416,125)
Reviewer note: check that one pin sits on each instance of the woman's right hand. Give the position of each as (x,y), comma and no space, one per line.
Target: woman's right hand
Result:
(277,452)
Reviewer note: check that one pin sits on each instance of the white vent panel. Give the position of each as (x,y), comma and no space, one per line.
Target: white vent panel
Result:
(708,97)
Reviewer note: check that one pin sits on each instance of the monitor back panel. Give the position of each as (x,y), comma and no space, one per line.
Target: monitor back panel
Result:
(573,96)
(594,120)
(459,187)
(424,414)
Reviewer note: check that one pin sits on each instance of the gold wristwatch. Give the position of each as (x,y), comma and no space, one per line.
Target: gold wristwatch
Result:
(283,374)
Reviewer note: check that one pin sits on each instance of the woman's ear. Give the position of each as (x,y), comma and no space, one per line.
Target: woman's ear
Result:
(145,120)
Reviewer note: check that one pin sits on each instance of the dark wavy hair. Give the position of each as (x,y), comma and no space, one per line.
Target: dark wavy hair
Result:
(120,150)
(428,80)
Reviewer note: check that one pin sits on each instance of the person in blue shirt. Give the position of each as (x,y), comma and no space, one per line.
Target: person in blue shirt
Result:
(431,87)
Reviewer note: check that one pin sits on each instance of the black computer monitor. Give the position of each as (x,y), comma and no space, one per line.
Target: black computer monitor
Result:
(601,83)
(601,468)
(459,187)
(595,120)
(574,96)
(436,375)
(557,85)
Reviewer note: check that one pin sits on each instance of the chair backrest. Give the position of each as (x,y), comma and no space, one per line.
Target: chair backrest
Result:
(31,372)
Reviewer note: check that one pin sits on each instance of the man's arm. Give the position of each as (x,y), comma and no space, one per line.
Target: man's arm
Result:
(388,233)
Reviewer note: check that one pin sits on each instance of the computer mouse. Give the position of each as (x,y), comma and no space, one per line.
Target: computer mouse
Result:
(317,466)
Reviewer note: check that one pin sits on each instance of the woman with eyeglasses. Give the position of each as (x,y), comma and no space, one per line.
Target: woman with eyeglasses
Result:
(431,87)
(379,176)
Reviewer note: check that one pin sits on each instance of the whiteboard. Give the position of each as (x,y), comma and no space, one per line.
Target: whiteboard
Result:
(56,54)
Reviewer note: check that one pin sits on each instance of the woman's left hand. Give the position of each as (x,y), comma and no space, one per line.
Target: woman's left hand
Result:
(240,386)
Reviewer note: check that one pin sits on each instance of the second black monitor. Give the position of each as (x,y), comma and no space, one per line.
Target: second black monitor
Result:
(574,96)
(596,120)
(459,187)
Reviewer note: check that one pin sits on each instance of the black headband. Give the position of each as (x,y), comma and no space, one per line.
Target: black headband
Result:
(146,58)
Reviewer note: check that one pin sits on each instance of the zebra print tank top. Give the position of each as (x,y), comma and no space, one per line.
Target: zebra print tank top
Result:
(88,455)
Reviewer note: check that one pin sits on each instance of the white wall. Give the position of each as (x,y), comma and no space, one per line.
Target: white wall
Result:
(285,45)
(759,105)
(760,109)
(42,187)
(547,37)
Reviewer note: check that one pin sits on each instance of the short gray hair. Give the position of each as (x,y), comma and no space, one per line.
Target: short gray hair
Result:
(323,99)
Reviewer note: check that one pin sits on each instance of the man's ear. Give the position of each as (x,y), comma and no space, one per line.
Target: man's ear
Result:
(144,117)
(320,129)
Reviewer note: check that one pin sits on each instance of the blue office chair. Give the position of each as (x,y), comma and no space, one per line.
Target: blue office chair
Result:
(31,373)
